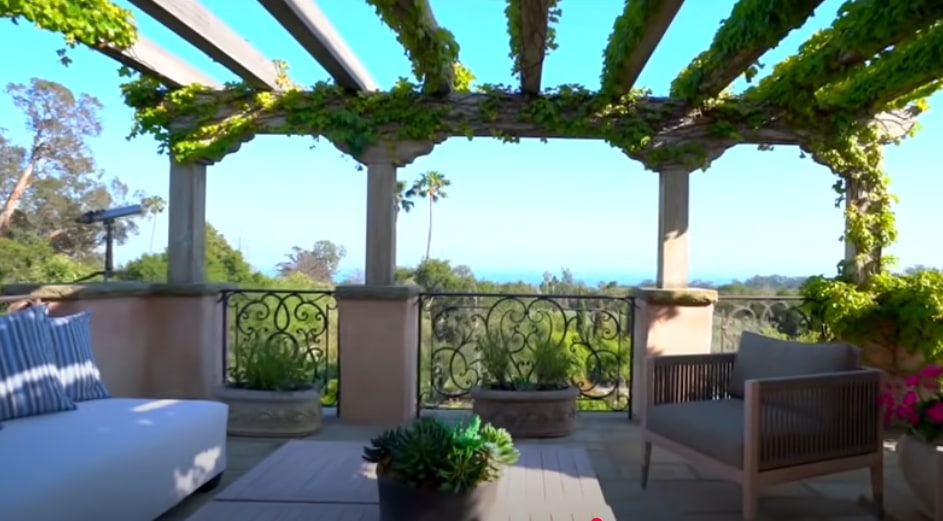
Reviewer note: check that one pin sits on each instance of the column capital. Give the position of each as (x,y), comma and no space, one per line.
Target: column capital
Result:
(397,153)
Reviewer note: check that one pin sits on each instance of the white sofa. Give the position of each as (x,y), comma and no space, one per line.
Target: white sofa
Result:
(115,459)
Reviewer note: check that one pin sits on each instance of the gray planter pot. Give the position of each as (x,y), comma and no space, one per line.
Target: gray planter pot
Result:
(399,502)
(272,414)
(528,414)
(916,459)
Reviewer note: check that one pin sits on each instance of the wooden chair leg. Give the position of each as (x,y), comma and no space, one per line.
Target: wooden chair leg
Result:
(750,500)
(646,463)
(877,486)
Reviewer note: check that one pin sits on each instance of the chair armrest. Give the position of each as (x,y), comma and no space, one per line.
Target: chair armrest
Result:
(687,378)
(796,420)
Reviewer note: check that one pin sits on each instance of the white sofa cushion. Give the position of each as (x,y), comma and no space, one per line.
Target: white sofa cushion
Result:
(115,459)
(29,378)
(72,347)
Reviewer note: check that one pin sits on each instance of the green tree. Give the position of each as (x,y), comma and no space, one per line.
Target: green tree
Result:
(430,185)
(52,179)
(403,202)
(320,263)
(223,264)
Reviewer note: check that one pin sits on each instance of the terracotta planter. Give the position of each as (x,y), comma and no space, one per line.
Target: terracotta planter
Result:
(399,502)
(272,414)
(916,459)
(528,414)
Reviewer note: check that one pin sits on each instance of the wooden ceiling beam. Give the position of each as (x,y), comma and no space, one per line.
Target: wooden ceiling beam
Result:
(193,22)
(306,23)
(148,58)
(535,17)
(644,46)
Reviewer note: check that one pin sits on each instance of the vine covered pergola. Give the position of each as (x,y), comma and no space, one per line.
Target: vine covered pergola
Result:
(851,89)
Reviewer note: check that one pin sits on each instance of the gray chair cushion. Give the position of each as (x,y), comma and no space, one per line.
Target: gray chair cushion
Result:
(715,428)
(764,357)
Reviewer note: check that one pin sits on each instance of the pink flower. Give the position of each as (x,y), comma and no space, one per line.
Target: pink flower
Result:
(932,372)
(909,399)
(935,412)
(913,380)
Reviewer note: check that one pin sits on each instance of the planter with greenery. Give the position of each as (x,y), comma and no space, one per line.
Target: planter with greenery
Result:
(897,320)
(527,391)
(270,391)
(917,405)
(432,471)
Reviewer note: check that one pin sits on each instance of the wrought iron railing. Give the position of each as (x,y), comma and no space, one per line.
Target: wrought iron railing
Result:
(596,331)
(777,316)
(264,330)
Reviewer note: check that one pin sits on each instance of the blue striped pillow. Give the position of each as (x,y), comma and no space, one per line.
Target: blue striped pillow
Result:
(72,346)
(29,378)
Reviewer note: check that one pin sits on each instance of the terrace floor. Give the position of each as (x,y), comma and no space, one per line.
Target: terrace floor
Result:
(677,491)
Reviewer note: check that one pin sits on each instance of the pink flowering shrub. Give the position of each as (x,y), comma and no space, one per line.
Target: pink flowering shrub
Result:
(917,404)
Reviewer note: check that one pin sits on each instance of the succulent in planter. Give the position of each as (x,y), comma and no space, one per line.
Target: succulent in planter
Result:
(528,390)
(431,470)
(269,365)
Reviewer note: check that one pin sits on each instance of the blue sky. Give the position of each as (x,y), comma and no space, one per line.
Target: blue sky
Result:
(512,210)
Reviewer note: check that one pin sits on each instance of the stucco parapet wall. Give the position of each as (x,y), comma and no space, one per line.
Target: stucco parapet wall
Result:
(683,297)
(365,292)
(96,290)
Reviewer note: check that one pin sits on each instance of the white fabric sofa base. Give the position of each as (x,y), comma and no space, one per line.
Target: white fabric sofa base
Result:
(117,459)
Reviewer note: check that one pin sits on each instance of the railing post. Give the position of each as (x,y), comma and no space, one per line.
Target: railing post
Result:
(378,352)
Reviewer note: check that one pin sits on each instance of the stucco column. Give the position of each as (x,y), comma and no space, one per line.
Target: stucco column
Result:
(668,322)
(673,203)
(186,239)
(378,338)
(382,161)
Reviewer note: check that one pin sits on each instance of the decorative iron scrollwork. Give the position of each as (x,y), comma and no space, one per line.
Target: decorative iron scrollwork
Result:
(301,320)
(597,330)
(781,317)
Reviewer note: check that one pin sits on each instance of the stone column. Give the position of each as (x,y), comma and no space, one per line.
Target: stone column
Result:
(186,240)
(673,202)
(382,161)
(378,335)
(668,322)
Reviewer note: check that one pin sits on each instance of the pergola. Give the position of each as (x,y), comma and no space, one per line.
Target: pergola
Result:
(851,89)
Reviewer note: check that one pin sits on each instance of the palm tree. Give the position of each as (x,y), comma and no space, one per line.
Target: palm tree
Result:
(430,185)
(403,201)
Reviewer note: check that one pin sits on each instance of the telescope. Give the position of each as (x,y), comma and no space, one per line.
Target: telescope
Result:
(110,214)
(107,218)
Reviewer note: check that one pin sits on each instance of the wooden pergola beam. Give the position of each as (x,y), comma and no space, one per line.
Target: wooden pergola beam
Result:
(312,30)
(533,25)
(638,55)
(717,67)
(150,59)
(508,116)
(201,28)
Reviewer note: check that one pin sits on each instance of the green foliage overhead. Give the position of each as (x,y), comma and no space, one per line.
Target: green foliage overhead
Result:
(90,22)
(876,56)
(431,454)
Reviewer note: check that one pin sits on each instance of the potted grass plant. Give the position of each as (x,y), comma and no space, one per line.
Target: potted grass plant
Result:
(527,391)
(433,471)
(270,390)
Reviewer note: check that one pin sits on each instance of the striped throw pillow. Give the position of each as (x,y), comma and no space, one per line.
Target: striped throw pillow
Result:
(72,347)
(29,378)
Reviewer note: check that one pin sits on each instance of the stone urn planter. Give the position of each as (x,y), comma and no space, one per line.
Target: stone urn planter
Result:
(528,414)
(917,464)
(272,414)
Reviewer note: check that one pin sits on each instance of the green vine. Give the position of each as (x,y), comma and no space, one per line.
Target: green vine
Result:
(431,49)
(513,14)
(90,22)
(753,27)
(877,56)
(626,35)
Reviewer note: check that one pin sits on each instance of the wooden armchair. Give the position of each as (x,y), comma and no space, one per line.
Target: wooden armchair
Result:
(774,412)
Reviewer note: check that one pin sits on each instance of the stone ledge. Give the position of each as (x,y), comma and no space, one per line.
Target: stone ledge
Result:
(94,290)
(364,292)
(683,297)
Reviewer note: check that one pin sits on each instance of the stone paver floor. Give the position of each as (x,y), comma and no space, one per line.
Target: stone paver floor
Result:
(677,491)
